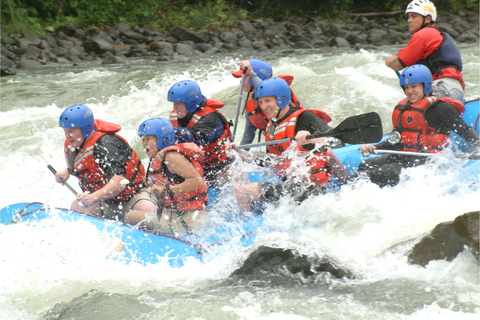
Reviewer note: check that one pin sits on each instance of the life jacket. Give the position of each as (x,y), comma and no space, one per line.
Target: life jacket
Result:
(416,134)
(215,152)
(160,174)
(317,160)
(84,166)
(255,113)
(446,56)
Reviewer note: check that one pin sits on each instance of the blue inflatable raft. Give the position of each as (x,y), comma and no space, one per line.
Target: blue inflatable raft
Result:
(148,247)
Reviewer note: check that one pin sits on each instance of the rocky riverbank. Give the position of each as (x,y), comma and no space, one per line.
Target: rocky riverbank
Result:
(69,44)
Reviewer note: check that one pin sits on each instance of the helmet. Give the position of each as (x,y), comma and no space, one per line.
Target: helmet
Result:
(161,128)
(260,67)
(275,87)
(422,7)
(416,74)
(186,91)
(78,116)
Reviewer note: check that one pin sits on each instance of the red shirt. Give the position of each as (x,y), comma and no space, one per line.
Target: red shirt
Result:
(422,44)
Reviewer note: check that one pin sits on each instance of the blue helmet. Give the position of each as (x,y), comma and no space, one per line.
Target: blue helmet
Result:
(188,92)
(416,74)
(161,128)
(275,87)
(78,115)
(262,69)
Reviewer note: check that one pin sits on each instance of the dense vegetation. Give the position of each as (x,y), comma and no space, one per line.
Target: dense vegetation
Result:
(36,16)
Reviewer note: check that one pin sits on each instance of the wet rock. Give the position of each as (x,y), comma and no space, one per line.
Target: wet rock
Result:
(467,37)
(184,49)
(447,240)
(260,35)
(111,59)
(184,34)
(268,261)
(100,305)
(28,64)
(98,46)
(8,67)
(339,42)
(133,36)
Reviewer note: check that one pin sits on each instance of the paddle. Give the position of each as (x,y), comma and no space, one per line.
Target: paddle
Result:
(364,128)
(161,205)
(405,153)
(160,201)
(239,103)
(65,183)
(422,154)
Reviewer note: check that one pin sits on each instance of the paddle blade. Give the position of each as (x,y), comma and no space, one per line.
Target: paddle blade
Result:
(364,128)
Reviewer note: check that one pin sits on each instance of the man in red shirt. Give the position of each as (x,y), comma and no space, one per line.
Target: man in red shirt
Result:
(432,48)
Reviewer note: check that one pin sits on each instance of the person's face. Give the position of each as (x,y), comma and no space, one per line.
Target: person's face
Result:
(268,104)
(415,21)
(181,109)
(414,92)
(74,137)
(149,142)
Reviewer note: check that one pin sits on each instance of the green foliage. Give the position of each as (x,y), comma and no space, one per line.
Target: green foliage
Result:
(395,5)
(212,15)
(34,16)
(282,9)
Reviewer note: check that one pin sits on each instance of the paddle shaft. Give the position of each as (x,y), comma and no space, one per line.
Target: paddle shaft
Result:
(363,128)
(404,153)
(269,143)
(62,180)
(174,208)
(239,103)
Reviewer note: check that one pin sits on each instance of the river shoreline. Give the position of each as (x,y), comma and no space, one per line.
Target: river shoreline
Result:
(69,45)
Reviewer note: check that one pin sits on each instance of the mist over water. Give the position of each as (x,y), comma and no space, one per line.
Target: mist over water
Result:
(65,267)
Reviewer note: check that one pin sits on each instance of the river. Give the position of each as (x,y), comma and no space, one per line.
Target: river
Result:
(54,270)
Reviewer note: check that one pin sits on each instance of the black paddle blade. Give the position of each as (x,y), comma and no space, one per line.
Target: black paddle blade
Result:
(364,128)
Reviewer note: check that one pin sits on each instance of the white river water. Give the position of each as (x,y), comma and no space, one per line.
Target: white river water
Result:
(49,262)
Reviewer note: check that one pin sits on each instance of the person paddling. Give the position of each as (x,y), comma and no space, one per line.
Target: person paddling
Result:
(422,123)
(110,174)
(175,173)
(307,163)
(432,48)
(256,72)
(197,119)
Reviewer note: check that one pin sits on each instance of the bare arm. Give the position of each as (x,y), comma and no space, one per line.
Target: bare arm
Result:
(113,188)
(394,63)
(179,164)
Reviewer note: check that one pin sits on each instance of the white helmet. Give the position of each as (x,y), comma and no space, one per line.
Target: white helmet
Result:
(422,7)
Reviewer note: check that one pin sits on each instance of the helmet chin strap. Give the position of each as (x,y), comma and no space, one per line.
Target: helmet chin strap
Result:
(276,117)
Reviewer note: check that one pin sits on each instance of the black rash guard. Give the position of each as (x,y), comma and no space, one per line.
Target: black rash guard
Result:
(112,154)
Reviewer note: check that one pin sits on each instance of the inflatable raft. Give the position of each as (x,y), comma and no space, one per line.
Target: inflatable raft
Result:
(138,245)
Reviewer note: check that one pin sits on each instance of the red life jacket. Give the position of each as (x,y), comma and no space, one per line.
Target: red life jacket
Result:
(91,175)
(416,134)
(215,152)
(161,175)
(255,113)
(317,162)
